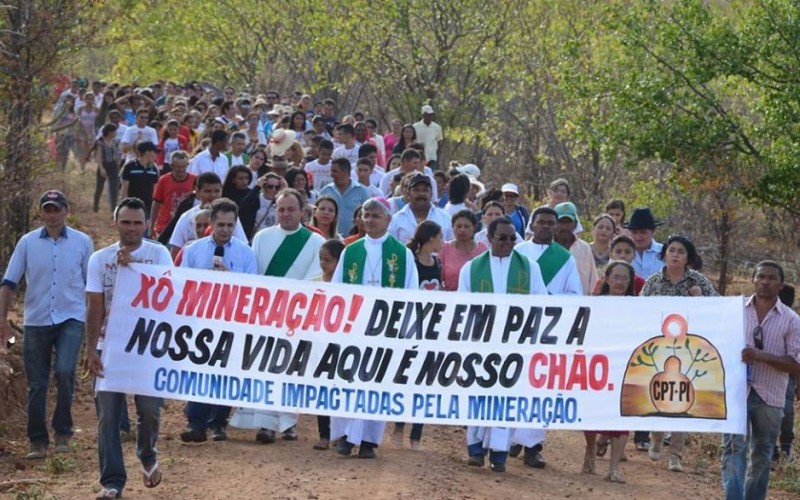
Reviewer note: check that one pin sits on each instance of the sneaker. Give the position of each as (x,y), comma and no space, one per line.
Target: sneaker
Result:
(344,448)
(654,451)
(37,451)
(642,446)
(62,444)
(219,434)
(290,434)
(675,464)
(193,436)
(265,436)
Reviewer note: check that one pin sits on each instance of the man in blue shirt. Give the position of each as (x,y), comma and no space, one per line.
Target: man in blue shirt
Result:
(53,260)
(647,258)
(349,195)
(218,252)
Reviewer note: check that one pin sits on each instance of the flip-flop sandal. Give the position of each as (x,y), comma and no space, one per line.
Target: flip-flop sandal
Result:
(152,478)
(108,493)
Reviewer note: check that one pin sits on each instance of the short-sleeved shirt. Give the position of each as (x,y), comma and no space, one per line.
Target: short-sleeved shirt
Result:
(55,272)
(102,274)
(320,173)
(204,162)
(350,154)
(430,277)
(429,136)
(185,231)
(169,193)
(134,135)
(141,181)
(352,198)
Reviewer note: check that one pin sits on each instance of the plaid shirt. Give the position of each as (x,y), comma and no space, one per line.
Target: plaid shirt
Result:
(781,336)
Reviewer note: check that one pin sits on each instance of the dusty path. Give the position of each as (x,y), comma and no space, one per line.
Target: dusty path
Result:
(241,468)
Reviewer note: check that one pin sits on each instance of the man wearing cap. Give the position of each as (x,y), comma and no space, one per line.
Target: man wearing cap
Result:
(647,259)
(429,134)
(348,194)
(501,269)
(212,159)
(140,176)
(514,211)
(377,260)
(53,259)
(580,250)
(419,208)
(410,161)
(286,250)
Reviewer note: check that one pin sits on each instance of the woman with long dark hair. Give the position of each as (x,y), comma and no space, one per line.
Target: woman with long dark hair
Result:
(408,136)
(237,183)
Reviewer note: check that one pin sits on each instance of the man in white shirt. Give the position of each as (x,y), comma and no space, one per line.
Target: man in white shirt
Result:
(212,158)
(286,250)
(418,209)
(409,162)
(349,147)
(429,134)
(377,260)
(139,132)
(320,169)
(560,275)
(499,270)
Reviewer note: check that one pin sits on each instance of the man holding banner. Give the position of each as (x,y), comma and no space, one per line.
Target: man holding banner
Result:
(501,269)
(218,252)
(561,277)
(379,260)
(287,250)
(131,223)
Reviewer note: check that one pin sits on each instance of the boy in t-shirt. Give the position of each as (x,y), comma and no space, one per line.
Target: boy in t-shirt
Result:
(320,169)
(139,177)
(349,147)
(170,190)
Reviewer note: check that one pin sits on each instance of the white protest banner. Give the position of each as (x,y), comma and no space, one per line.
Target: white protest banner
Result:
(582,363)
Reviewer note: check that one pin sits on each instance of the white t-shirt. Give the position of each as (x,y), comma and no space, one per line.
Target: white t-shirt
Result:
(102,273)
(351,154)
(134,135)
(321,173)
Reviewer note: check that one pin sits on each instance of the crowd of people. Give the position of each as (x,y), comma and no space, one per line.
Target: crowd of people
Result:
(286,187)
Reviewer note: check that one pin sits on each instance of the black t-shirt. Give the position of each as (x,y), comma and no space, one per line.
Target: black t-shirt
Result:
(430,277)
(141,181)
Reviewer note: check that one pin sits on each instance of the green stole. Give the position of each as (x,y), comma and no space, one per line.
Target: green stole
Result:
(287,252)
(552,260)
(393,258)
(519,274)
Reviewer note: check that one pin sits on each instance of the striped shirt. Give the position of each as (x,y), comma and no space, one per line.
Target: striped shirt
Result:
(781,336)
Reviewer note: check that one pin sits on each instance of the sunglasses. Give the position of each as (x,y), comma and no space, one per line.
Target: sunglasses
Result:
(758,337)
(511,238)
(272,186)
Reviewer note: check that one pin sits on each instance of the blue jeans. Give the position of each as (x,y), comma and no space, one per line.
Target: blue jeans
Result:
(201,416)
(38,345)
(763,425)
(112,464)
(787,424)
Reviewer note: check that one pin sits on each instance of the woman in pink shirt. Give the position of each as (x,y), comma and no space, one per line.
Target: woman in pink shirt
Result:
(463,248)
(391,138)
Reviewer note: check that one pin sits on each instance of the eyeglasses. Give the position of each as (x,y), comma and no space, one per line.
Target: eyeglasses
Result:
(758,337)
(272,186)
(504,238)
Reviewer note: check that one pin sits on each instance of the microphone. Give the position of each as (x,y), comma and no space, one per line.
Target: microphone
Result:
(219,252)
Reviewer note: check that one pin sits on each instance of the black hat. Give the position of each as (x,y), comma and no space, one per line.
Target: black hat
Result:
(146,146)
(419,179)
(53,197)
(642,218)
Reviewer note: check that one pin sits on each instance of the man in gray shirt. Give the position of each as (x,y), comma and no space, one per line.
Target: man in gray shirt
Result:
(53,259)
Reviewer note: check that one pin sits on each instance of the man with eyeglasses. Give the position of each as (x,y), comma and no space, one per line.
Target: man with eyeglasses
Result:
(771,354)
(501,269)
(258,210)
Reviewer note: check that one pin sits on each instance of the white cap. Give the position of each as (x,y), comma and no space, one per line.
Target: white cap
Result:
(469,169)
(427,110)
(510,188)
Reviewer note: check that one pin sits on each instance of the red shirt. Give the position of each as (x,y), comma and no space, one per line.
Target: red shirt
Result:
(169,193)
